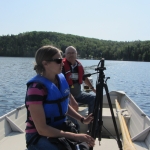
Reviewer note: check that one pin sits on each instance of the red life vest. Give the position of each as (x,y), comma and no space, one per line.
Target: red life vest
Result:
(68,72)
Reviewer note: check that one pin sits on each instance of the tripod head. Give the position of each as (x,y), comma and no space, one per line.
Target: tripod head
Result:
(100,66)
(100,69)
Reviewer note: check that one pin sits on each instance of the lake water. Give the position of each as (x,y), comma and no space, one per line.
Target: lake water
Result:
(130,77)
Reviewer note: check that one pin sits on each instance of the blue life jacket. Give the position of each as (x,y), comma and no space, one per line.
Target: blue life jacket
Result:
(56,103)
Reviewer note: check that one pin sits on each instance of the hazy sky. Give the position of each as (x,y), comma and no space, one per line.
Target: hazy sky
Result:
(117,20)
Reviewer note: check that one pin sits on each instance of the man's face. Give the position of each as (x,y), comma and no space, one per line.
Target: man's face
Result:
(71,55)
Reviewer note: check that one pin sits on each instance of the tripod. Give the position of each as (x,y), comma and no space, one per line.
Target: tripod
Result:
(96,126)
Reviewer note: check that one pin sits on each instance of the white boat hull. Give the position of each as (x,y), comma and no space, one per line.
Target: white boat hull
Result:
(12,125)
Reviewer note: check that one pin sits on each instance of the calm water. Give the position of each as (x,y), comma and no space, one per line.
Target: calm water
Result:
(131,77)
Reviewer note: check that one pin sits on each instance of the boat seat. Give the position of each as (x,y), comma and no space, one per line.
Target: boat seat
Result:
(142,141)
(140,145)
(107,119)
(106,144)
(15,141)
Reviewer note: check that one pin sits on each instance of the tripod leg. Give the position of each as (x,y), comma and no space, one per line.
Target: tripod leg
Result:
(113,117)
(97,112)
(96,126)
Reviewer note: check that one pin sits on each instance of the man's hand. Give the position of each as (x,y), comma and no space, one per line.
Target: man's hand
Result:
(88,83)
(94,90)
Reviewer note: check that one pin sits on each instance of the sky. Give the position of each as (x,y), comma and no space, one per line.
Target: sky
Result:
(116,20)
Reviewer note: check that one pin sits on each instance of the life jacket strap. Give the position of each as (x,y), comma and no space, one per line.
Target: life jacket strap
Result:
(56,101)
(48,120)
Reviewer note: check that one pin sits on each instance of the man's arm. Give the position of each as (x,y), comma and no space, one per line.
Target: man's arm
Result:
(73,103)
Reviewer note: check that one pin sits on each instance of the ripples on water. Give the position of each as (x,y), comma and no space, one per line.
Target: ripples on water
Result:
(130,77)
(14,74)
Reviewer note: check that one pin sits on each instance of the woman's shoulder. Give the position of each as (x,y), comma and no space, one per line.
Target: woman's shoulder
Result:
(36,85)
(37,88)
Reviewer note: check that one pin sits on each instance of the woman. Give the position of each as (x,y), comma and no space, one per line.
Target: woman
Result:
(48,104)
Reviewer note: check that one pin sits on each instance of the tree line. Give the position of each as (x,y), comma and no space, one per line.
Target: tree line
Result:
(26,44)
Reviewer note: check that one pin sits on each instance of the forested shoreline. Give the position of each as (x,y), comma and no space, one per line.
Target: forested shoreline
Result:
(25,45)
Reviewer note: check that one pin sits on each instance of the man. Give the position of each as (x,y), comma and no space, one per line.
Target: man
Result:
(73,71)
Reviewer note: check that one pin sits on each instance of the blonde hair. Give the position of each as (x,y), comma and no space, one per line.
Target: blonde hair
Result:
(44,53)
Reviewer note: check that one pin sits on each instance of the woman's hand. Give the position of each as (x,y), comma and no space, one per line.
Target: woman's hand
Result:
(85,138)
(88,119)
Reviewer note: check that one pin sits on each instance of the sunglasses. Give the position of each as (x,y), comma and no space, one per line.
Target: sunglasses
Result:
(58,60)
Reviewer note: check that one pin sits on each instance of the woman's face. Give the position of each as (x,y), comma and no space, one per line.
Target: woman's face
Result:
(54,65)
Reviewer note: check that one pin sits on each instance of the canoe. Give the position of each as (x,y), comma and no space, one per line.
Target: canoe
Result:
(132,123)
